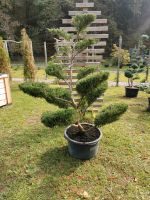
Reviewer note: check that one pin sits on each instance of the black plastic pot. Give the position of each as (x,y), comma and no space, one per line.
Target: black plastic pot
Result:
(148,109)
(131,92)
(80,150)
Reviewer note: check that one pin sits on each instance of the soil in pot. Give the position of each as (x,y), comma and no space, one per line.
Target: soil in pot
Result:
(91,133)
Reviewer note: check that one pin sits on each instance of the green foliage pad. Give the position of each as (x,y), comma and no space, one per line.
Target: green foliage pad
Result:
(90,82)
(58,118)
(110,114)
(58,96)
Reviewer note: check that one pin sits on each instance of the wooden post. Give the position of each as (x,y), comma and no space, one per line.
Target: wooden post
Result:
(46,57)
(119,62)
(45,53)
(6,46)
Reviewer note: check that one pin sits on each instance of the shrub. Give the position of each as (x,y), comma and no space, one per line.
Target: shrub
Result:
(58,96)
(134,69)
(97,92)
(123,54)
(55,70)
(58,118)
(4,59)
(110,114)
(85,71)
(91,83)
(29,64)
(34,89)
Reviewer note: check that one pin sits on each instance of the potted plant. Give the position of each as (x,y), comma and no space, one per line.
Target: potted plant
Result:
(83,138)
(148,92)
(132,73)
(146,88)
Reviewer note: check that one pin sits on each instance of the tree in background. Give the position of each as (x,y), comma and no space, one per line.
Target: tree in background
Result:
(129,18)
(4,59)
(123,54)
(8,23)
(29,63)
(144,54)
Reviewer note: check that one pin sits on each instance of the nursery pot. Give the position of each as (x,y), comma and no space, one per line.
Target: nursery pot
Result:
(131,92)
(148,105)
(83,150)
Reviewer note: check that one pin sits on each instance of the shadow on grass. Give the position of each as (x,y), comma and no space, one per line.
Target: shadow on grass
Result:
(58,162)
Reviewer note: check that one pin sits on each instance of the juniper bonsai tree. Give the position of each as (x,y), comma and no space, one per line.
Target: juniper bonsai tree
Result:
(91,83)
(144,52)
(148,92)
(135,69)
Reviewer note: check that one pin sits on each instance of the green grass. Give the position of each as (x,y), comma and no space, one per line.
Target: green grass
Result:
(35,164)
(17,72)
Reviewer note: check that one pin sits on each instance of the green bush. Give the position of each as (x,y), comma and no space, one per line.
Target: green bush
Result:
(58,118)
(55,70)
(96,93)
(57,96)
(81,22)
(34,89)
(83,44)
(28,58)
(4,59)
(110,114)
(91,82)
(85,71)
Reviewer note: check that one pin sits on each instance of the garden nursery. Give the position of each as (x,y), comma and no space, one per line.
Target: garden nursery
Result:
(75,100)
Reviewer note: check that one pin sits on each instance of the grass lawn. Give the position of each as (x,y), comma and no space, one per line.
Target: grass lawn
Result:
(35,164)
(17,72)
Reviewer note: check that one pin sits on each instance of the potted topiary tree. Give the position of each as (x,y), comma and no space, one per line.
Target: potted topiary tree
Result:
(83,138)
(144,52)
(146,88)
(132,73)
(148,92)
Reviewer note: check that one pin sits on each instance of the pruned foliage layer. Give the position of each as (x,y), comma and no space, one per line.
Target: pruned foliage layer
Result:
(91,82)
(58,96)
(85,71)
(110,114)
(58,118)
(56,70)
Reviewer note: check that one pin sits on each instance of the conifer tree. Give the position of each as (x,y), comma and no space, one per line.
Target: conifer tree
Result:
(29,63)
(4,59)
(91,83)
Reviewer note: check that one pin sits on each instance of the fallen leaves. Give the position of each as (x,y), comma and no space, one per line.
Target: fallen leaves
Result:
(84,194)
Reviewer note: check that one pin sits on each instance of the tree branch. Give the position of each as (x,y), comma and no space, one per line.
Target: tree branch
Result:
(69,102)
